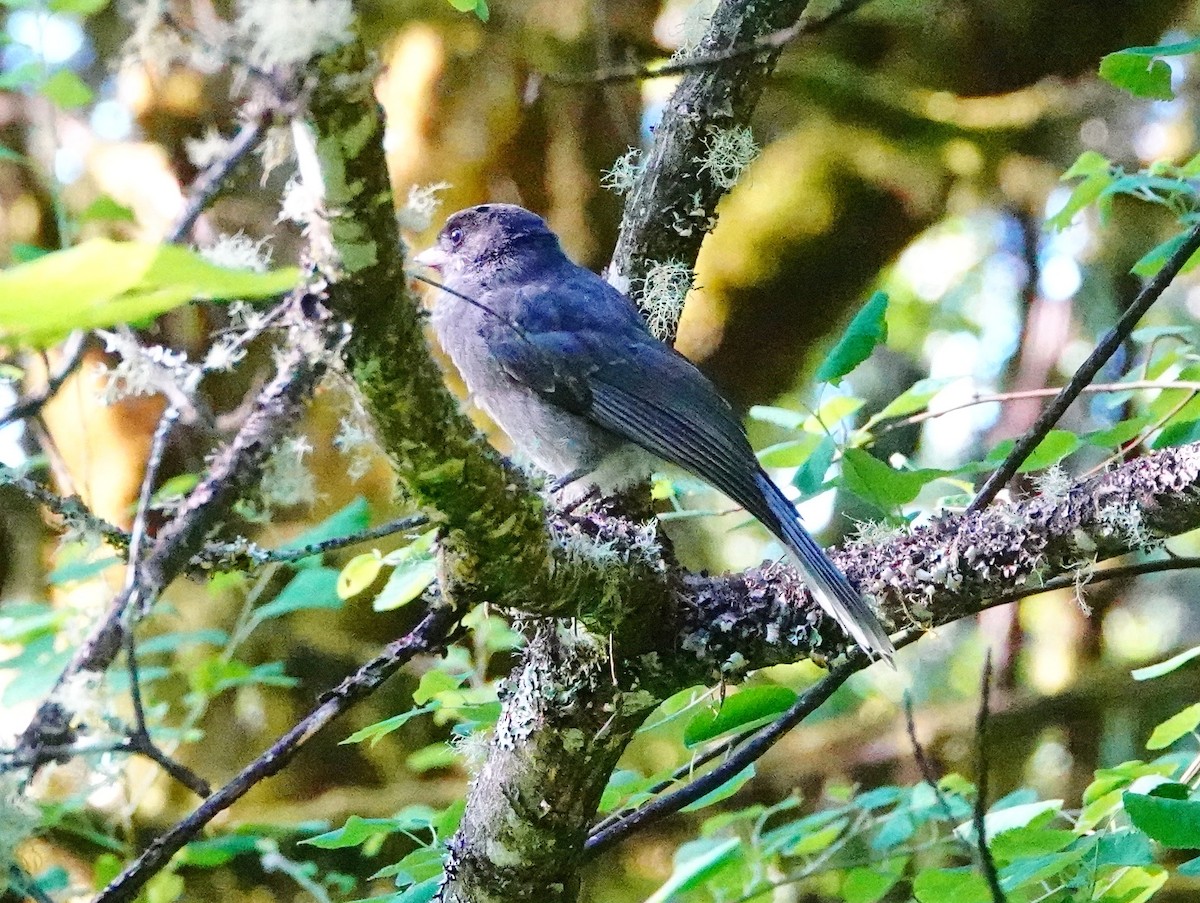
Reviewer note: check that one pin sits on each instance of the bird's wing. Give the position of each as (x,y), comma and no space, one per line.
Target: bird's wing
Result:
(648,394)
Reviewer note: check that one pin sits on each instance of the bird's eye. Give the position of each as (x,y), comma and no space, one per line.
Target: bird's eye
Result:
(456,236)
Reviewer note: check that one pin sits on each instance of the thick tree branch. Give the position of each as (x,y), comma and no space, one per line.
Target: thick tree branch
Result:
(673,204)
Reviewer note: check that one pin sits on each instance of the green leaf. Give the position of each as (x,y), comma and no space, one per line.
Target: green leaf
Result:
(749,706)
(416,568)
(1082,196)
(790,454)
(1020,843)
(915,398)
(312,588)
(810,477)
(781,417)
(358,574)
(961,885)
(106,209)
(1056,446)
(726,790)
(23,253)
(66,90)
(355,832)
(878,483)
(217,851)
(1162,668)
(1125,847)
(1173,823)
(868,885)
(435,755)
(1139,71)
(695,863)
(380,729)
(1135,885)
(866,330)
(1178,725)
(1152,261)
(435,682)
(1007,818)
(819,840)
(172,642)
(78,7)
(347,521)
(101,282)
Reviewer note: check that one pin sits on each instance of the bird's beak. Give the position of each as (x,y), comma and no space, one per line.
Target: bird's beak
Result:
(434,258)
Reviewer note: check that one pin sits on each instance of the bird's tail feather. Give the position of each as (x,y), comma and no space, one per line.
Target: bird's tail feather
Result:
(829,585)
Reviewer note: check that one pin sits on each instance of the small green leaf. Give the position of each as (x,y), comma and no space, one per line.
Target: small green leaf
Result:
(217,851)
(345,522)
(100,283)
(695,863)
(106,209)
(1152,261)
(1135,885)
(878,483)
(961,885)
(1178,725)
(1084,194)
(867,885)
(435,755)
(790,454)
(355,832)
(726,790)
(66,90)
(810,477)
(1056,446)
(1177,661)
(359,573)
(751,705)
(1139,72)
(416,568)
(314,588)
(380,729)
(866,330)
(1173,823)
(78,7)
(435,682)
(915,398)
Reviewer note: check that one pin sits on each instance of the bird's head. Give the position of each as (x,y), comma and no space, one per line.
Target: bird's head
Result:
(488,242)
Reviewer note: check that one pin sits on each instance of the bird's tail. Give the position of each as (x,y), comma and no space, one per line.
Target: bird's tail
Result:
(829,585)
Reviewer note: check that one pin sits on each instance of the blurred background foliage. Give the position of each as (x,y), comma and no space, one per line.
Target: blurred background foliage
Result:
(913,147)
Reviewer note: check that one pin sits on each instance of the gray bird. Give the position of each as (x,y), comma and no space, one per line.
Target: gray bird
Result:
(563,363)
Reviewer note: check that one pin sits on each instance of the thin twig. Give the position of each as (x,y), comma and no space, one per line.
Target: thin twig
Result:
(428,636)
(32,403)
(1003,397)
(1088,370)
(209,182)
(810,700)
(979,810)
(137,536)
(140,740)
(928,772)
(776,40)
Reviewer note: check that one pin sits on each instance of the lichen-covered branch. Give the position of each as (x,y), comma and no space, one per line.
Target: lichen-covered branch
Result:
(312,340)
(673,203)
(574,707)
(567,718)
(952,568)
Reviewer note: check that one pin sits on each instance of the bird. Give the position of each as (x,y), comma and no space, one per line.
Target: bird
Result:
(564,364)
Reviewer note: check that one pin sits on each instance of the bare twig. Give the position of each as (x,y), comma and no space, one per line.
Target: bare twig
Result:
(33,402)
(140,740)
(928,772)
(232,470)
(1088,370)
(776,40)
(1004,397)
(428,636)
(810,700)
(209,182)
(979,811)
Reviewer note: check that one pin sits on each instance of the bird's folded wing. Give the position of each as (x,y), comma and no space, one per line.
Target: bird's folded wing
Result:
(646,393)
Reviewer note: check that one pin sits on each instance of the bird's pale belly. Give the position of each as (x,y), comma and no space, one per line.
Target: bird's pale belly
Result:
(562,443)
